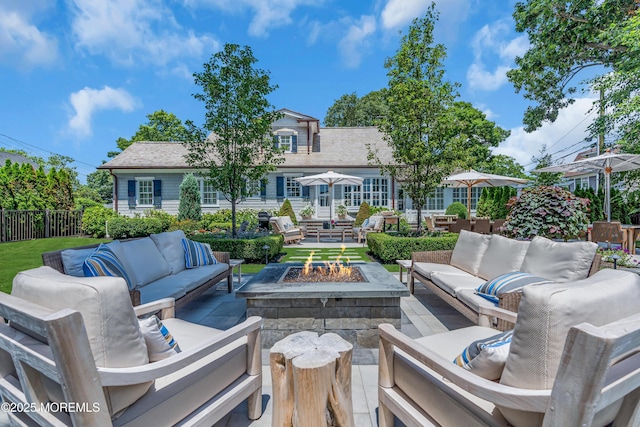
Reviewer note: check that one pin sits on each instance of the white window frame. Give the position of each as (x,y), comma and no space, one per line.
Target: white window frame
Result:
(287,148)
(460,195)
(254,187)
(201,183)
(352,195)
(375,191)
(436,203)
(146,180)
(291,185)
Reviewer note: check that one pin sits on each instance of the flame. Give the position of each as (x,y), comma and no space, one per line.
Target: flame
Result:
(332,271)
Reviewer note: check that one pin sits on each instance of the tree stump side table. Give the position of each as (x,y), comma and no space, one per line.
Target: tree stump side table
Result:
(311,378)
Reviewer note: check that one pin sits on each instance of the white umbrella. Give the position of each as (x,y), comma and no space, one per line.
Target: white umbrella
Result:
(607,162)
(472,178)
(330,178)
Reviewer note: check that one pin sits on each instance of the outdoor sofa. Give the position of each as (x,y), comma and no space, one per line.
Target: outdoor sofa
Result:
(155,266)
(455,275)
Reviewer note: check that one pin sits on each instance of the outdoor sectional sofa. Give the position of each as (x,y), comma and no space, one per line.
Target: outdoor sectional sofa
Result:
(454,275)
(155,266)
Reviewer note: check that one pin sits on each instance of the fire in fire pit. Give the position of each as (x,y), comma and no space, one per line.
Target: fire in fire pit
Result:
(336,271)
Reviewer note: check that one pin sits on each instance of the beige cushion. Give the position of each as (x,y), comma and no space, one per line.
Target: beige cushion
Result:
(426,268)
(170,246)
(473,300)
(559,261)
(546,314)
(503,255)
(469,250)
(111,324)
(453,282)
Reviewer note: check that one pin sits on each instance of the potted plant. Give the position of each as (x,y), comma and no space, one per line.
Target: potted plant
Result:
(341,211)
(307,211)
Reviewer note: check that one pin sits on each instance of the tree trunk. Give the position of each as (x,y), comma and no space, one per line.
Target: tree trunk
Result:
(311,381)
(234,233)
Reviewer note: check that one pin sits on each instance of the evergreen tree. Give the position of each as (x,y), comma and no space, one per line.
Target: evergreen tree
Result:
(287,210)
(189,206)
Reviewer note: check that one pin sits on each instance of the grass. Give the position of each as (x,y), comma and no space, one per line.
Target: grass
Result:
(325,254)
(19,256)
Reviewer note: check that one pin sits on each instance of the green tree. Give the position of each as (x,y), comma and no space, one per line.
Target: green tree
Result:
(501,164)
(566,38)
(162,126)
(544,178)
(351,111)
(101,182)
(419,126)
(238,118)
(287,210)
(189,204)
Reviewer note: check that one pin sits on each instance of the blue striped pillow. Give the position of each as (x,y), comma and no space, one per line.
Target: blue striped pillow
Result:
(487,357)
(197,254)
(508,282)
(103,262)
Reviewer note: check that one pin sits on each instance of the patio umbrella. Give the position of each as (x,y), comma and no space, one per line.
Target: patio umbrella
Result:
(472,178)
(607,162)
(330,178)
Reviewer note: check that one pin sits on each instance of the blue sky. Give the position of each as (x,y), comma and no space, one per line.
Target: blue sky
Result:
(78,74)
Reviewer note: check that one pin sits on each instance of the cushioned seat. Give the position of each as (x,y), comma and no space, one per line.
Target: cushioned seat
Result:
(453,282)
(473,300)
(426,268)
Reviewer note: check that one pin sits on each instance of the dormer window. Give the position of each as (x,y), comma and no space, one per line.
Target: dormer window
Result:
(287,140)
(285,143)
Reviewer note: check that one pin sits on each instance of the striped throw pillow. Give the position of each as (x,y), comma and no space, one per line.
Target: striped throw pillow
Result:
(160,343)
(487,357)
(103,262)
(197,254)
(508,282)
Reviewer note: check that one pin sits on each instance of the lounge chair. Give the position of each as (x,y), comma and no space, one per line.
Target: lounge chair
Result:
(373,224)
(608,233)
(77,342)
(573,360)
(283,225)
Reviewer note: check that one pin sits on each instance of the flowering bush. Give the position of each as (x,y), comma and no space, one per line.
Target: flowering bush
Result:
(625,259)
(547,211)
(307,210)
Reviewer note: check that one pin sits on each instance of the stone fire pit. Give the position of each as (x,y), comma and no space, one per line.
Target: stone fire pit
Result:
(352,310)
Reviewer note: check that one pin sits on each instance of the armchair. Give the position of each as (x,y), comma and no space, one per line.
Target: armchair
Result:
(87,355)
(283,225)
(560,370)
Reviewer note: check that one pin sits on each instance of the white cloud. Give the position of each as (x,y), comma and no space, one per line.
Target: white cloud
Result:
(135,31)
(398,13)
(491,43)
(267,14)
(355,42)
(22,43)
(88,101)
(562,137)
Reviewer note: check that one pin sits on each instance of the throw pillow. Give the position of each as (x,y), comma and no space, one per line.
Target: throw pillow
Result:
(197,254)
(508,282)
(73,261)
(160,342)
(103,262)
(487,357)
(365,223)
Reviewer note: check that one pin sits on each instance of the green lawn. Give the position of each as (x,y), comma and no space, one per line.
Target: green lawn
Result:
(325,254)
(19,256)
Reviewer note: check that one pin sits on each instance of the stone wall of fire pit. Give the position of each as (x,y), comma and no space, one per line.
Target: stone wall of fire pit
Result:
(350,309)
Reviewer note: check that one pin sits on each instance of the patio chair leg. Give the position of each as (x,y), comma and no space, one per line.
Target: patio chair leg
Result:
(385,416)
(230,283)
(254,405)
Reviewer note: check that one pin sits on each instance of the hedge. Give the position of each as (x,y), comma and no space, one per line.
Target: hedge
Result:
(388,248)
(124,227)
(248,249)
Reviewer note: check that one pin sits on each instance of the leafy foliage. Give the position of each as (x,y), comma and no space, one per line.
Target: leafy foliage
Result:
(388,248)
(101,182)
(248,249)
(493,202)
(351,111)
(287,209)
(162,126)
(24,188)
(211,221)
(189,205)
(549,212)
(123,227)
(364,212)
(94,220)
(166,219)
(457,208)
(234,145)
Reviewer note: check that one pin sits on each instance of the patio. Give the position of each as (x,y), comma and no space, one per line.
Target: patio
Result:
(422,315)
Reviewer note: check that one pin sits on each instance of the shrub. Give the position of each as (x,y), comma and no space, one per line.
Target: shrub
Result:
(189,207)
(94,220)
(124,227)
(219,219)
(457,208)
(189,226)
(287,209)
(247,249)
(388,248)
(547,211)
(165,218)
(83,203)
(364,212)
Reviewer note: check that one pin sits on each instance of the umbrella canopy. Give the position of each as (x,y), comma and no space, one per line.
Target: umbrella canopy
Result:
(330,178)
(473,178)
(607,162)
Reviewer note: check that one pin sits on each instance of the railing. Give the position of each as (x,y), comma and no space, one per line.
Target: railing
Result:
(38,224)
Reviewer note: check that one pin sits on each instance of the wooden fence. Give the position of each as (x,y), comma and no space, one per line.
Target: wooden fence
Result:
(38,224)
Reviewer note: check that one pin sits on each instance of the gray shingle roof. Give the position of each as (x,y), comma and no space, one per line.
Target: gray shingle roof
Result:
(16,158)
(339,147)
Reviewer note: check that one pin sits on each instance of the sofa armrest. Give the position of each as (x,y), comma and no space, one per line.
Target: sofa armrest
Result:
(437,257)
(250,329)
(506,318)
(166,306)
(222,256)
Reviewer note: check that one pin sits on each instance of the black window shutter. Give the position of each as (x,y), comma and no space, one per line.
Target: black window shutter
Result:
(294,143)
(131,192)
(280,187)
(157,193)
(263,188)
(305,191)
(275,141)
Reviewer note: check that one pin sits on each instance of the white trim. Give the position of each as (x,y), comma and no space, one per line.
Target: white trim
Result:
(201,188)
(145,179)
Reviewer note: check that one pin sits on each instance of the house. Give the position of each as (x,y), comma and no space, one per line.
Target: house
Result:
(147,175)
(574,180)
(16,158)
